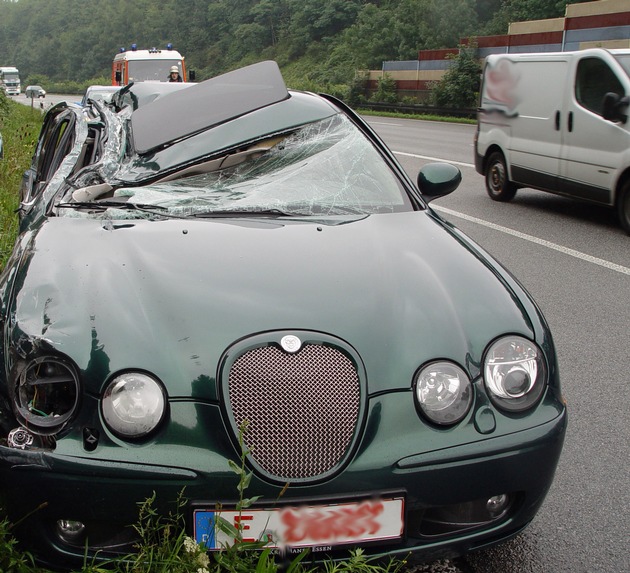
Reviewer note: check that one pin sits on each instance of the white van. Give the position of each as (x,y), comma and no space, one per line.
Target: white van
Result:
(557,122)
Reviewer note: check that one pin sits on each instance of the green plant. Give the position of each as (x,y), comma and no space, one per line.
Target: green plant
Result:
(386,91)
(359,563)
(246,556)
(459,88)
(11,559)
(357,89)
(163,545)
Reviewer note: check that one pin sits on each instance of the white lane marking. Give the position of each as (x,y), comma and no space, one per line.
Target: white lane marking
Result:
(428,158)
(384,123)
(572,253)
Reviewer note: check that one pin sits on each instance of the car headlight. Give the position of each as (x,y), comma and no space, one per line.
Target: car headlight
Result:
(443,392)
(514,373)
(133,405)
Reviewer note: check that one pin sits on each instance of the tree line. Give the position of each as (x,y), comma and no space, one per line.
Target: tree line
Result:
(319,44)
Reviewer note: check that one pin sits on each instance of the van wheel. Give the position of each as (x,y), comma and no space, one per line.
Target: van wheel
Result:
(623,207)
(498,186)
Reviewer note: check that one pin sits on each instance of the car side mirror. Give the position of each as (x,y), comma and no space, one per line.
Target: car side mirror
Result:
(614,107)
(438,179)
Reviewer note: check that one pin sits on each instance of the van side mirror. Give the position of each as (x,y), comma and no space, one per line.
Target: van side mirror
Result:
(614,107)
(118,77)
(191,76)
(438,179)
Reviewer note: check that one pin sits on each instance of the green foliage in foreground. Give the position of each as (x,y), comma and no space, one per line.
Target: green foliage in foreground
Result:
(19,126)
(164,547)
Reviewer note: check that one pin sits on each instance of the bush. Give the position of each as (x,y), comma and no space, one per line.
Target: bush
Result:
(386,91)
(357,89)
(459,88)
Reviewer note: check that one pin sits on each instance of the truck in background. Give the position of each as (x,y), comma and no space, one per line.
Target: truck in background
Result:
(10,80)
(557,122)
(152,65)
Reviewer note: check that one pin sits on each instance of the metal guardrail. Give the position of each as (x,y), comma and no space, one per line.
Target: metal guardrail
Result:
(421,109)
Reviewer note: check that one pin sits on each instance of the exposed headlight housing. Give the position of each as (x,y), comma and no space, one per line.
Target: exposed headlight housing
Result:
(443,392)
(133,405)
(514,373)
(46,395)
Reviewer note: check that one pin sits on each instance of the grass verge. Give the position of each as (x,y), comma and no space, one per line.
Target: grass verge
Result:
(19,126)
(425,117)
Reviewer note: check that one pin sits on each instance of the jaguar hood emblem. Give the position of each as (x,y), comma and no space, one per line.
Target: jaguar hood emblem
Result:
(290,343)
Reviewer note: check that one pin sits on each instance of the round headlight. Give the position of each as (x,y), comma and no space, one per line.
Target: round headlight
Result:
(514,373)
(133,405)
(443,392)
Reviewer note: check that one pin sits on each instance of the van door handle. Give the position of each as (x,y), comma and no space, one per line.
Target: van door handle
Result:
(570,121)
(557,122)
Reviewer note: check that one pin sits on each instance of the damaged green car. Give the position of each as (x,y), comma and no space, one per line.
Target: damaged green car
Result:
(194,259)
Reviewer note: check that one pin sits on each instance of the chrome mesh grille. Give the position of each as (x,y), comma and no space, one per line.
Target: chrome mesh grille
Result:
(301,409)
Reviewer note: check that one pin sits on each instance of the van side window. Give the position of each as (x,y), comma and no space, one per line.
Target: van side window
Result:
(593,80)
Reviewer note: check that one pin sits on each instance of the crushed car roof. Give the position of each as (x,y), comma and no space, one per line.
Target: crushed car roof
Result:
(210,103)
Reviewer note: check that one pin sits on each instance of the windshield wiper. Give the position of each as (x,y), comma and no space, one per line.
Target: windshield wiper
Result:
(103,205)
(243,213)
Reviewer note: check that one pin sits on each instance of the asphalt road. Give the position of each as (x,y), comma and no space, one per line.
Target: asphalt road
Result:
(575,260)
(46,102)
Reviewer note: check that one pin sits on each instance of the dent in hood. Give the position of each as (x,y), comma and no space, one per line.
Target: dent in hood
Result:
(170,297)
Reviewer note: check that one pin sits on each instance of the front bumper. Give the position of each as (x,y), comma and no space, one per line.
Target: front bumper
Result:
(445,489)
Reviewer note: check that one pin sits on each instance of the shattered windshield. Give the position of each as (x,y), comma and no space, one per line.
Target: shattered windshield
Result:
(324,168)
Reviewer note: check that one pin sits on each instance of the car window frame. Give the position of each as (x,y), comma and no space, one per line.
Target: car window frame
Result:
(56,142)
(595,104)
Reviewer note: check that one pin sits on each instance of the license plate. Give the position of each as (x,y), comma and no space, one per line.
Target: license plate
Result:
(323,525)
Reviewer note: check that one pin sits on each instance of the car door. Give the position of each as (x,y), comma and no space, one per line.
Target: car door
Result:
(592,147)
(55,142)
(535,139)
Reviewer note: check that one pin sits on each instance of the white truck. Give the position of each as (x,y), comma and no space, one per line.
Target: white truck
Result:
(10,80)
(557,122)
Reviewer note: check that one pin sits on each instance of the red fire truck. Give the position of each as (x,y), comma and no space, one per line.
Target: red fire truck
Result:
(152,65)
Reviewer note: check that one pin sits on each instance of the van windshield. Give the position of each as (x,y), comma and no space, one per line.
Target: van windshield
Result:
(151,70)
(625,63)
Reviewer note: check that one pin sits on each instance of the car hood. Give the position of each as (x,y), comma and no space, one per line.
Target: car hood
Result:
(169,297)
